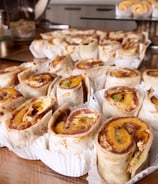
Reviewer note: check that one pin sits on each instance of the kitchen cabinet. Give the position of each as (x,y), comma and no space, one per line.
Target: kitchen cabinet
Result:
(71,13)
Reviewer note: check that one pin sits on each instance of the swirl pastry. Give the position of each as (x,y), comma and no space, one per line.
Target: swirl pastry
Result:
(74,90)
(88,48)
(117,76)
(8,76)
(61,65)
(142,8)
(35,84)
(10,98)
(95,69)
(107,51)
(149,109)
(30,120)
(73,130)
(70,139)
(150,77)
(123,144)
(125,5)
(44,48)
(121,100)
(129,50)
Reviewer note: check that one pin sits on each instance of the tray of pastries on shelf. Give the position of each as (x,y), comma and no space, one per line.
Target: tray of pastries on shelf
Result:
(137,8)
(79,111)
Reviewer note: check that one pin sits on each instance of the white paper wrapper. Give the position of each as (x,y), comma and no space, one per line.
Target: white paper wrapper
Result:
(29,152)
(66,163)
(95,178)
(130,63)
(4,141)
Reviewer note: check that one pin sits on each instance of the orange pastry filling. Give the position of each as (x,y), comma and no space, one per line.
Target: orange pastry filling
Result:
(57,60)
(153,73)
(39,80)
(8,94)
(154,100)
(123,73)
(120,134)
(71,82)
(30,114)
(88,64)
(124,98)
(75,123)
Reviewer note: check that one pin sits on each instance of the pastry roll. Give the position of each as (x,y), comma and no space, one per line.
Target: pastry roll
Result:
(30,120)
(95,69)
(149,109)
(71,49)
(8,76)
(44,49)
(73,130)
(123,8)
(71,135)
(61,65)
(88,48)
(117,35)
(34,84)
(130,54)
(74,90)
(107,51)
(123,145)
(10,98)
(121,100)
(117,76)
(142,9)
(150,77)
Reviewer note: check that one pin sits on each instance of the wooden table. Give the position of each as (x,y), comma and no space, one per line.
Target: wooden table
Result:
(15,170)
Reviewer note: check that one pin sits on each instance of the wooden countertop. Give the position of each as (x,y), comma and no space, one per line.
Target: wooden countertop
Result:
(15,170)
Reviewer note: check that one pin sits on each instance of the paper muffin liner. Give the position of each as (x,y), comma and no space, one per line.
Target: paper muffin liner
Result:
(130,63)
(65,163)
(4,141)
(30,152)
(95,178)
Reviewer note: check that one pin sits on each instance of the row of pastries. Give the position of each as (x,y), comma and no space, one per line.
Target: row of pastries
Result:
(63,111)
(137,8)
(115,47)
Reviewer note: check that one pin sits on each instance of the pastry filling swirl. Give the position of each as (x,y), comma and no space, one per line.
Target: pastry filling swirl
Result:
(120,134)
(88,64)
(8,94)
(124,98)
(39,80)
(123,73)
(75,123)
(30,114)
